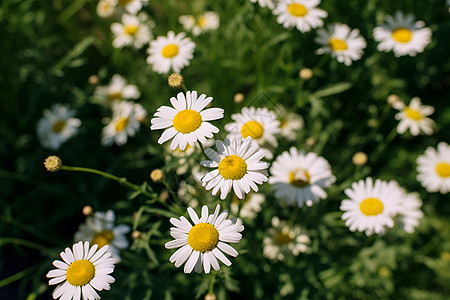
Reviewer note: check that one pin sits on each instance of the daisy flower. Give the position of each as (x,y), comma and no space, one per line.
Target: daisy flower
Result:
(258,123)
(187,122)
(249,207)
(133,31)
(238,165)
(105,8)
(371,206)
(132,6)
(403,35)
(283,240)
(434,169)
(265,3)
(83,270)
(300,177)
(343,43)
(410,212)
(414,117)
(171,52)
(99,230)
(205,22)
(290,123)
(117,89)
(57,126)
(204,243)
(124,123)
(301,14)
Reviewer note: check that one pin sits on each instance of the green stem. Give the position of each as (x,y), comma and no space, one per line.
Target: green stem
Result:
(211,283)
(171,192)
(321,62)
(122,180)
(17,241)
(185,88)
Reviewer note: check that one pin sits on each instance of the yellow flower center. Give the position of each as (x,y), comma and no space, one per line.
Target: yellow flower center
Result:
(125,2)
(413,114)
(170,51)
(121,124)
(59,125)
(232,167)
(80,272)
(297,10)
(203,237)
(282,238)
(253,129)
(402,35)
(337,44)
(115,96)
(299,178)
(371,206)
(443,169)
(103,238)
(187,121)
(131,29)
(202,21)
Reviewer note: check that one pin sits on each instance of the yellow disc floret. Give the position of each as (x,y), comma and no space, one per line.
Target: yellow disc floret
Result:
(125,2)
(283,238)
(402,35)
(413,114)
(103,238)
(80,272)
(252,129)
(203,237)
(115,96)
(443,169)
(232,167)
(170,51)
(337,44)
(121,124)
(299,178)
(297,10)
(131,29)
(59,125)
(187,121)
(371,206)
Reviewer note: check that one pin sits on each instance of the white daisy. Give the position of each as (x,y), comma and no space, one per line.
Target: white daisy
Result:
(300,177)
(205,242)
(238,165)
(258,123)
(371,206)
(171,52)
(301,14)
(117,89)
(99,229)
(414,117)
(409,212)
(343,43)
(283,240)
(265,3)
(403,35)
(290,123)
(133,31)
(249,207)
(205,22)
(105,8)
(187,122)
(57,126)
(83,270)
(132,6)
(434,169)
(124,123)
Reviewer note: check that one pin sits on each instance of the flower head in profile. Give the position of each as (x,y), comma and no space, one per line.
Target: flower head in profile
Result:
(116,90)
(125,122)
(204,243)
(409,214)
(106,8)
(300,178)
(290,123)
(99,230)
(284,240)
(434,169)
(171,52)
(132,6)
(402,35)
(238,166)
(187,122)
(371,206)
(342,42)
(265,3)
(133,31)
(57,126)
(414,117)
(207,21)
(83,270)
(302,14)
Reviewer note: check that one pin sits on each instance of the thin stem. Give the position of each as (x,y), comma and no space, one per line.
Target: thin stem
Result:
(387,141)
(18,275)
(211,283)
(172,193)
(185,88)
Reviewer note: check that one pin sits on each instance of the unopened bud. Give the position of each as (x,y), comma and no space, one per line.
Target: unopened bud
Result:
(53,163)
(87,210)
(359,159)
(157,175)
(310,141)
(305,74)
(391,99)
(238,98)
(176,80)
(210,297)
(93,79)
(136,234)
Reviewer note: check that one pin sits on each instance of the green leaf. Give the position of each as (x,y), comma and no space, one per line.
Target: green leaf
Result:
(333,89)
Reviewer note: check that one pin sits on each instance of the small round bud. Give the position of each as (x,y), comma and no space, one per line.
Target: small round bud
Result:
(164,196)
(210,297)
(391,99)
(87,210)
(238,98)
(93,79)
(305,74)
(53,163)
(157,175)
(359,159)
(136,234)
(310,141)
(176,80)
